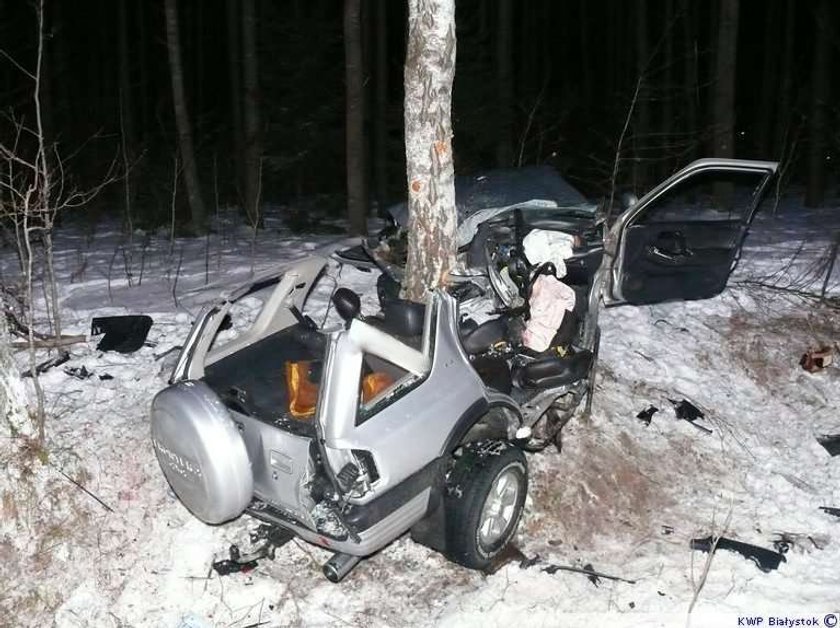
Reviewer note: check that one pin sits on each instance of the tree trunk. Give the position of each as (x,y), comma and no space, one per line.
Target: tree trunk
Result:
(429,74)
(12,392)
(234,52)
(251,114)
(380,125)
(182,119)
(724,80)
(504,82)
(126,113)
(143,87)
(355,112)
(817,122)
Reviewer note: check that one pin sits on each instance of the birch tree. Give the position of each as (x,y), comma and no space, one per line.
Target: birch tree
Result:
(429,74)
(12,392)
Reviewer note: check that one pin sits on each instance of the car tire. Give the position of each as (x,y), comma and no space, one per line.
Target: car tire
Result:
(485,497)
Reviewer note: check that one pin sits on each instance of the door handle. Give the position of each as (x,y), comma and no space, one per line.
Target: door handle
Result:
(656,253)
(669,247)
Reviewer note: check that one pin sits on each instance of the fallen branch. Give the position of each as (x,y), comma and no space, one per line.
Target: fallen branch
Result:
(50,343)
(832,302)
(45,366)
(82,488)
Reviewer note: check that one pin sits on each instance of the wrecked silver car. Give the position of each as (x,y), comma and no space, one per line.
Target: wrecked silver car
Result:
(416,419)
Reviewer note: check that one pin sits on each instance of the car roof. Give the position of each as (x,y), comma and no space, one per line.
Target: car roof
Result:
(504,187)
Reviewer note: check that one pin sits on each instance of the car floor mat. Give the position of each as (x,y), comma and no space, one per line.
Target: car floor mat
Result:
(123,334)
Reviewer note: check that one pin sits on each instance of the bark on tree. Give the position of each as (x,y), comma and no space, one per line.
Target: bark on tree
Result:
(182,119)
(251,114)
(126,113)
(724,80)
(818,119)
(429,74)
(355,113)
(12,393)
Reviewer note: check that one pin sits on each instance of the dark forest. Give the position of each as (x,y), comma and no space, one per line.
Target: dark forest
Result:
(542,81)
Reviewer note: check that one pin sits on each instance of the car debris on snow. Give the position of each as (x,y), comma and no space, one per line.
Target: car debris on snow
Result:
(765,559)
(831,443)
(830,510)
(269,538)
(646,415)
(123,334)
(815,360)
(46,365)
(687,411)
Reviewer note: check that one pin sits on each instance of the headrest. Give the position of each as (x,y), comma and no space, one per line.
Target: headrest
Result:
(347,303)
(404,318)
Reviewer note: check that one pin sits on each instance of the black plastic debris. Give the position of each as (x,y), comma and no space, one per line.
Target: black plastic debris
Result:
(646,415)
(765,559)
(269,539)
(46,365)
(79,372)
(588,570)
(687,411)
(592,575)
(123,334)
(227,567)
(831,443)
(830,510)
(783,544)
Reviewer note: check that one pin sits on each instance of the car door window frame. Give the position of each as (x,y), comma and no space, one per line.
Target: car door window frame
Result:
(613,295)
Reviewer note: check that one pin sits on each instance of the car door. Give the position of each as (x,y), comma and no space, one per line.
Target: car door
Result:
(682,240)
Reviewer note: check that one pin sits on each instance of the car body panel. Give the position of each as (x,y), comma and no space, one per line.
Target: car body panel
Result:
(412,427)
(683,239)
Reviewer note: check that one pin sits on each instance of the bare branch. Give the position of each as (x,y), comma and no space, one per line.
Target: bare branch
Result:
(11,60)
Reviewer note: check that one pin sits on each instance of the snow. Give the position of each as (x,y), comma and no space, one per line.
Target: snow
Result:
(621,496)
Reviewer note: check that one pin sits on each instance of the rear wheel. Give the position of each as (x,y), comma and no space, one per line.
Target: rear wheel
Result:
(486,492)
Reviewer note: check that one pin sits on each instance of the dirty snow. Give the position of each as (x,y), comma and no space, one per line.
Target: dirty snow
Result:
(622,497)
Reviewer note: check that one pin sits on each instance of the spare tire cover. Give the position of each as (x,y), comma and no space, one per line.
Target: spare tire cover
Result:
(201,451)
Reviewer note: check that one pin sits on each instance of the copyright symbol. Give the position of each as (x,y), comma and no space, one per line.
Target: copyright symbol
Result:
(830,620)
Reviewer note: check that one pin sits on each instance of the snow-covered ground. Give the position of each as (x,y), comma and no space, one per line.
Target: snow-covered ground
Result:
(622,497)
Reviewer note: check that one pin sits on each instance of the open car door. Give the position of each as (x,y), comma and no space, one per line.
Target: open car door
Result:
(682,240)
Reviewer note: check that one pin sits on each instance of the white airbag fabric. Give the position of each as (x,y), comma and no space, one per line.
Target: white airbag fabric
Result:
(548,246)
(550,300)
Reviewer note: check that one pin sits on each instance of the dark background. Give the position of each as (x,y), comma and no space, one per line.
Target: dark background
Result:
(574,69)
